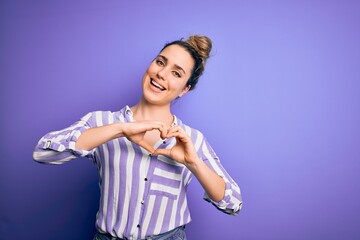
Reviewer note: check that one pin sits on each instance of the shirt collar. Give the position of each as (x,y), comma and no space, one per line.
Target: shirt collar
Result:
(128,114)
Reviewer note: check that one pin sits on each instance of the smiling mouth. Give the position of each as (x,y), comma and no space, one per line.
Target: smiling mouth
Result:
(155,84)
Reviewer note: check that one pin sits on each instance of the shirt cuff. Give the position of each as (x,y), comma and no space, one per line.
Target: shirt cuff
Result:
(224,204)
(67,144)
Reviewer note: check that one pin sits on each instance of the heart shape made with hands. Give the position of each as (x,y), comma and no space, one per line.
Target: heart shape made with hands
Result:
(146,134)
(149,140)
(178,152)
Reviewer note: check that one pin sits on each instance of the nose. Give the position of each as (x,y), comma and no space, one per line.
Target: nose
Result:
(161,74)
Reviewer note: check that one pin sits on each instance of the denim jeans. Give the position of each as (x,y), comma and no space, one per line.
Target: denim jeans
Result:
(176,234)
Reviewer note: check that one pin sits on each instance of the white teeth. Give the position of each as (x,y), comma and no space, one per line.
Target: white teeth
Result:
(157,85)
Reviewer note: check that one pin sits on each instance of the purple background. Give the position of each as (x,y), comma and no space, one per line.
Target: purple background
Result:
(279,102)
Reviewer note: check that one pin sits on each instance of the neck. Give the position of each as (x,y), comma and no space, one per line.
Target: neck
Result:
(145,111)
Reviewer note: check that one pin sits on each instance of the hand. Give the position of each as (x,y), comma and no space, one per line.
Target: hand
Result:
(135,132)
(183,151)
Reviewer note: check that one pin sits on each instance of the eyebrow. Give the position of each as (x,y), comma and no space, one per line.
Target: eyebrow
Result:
(177,66)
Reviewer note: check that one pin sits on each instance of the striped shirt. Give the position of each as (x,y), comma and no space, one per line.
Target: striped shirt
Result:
(141,195)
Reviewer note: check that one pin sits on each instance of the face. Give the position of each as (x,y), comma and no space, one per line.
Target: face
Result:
(166,77)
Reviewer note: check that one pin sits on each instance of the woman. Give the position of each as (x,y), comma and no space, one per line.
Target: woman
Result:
(145,155)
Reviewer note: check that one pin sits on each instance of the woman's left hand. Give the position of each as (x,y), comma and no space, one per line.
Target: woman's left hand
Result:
(183,151)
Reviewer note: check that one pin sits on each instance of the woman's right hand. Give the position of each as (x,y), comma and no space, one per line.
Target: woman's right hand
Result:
(135,132)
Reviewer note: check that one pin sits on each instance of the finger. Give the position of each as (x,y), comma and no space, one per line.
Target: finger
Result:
(174,129)
(162,151)
(177,132)
(182,137)
(146,146)
(163,132)
(155,126)
(161,128)
(148,124)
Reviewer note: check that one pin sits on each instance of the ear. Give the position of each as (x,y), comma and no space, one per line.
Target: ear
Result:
(184,91)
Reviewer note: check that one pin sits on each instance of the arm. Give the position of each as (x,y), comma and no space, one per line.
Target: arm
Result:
(58,147)
(212,183)
(185,153)
(134,131)
(232,201)
(94,137)
(81,138)
(220,189)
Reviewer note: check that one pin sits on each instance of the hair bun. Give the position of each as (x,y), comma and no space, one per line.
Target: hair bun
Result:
(202,45)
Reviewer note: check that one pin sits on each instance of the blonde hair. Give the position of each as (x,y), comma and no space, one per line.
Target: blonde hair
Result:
(202,45)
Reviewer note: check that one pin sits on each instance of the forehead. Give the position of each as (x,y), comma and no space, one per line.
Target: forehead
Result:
(177,55)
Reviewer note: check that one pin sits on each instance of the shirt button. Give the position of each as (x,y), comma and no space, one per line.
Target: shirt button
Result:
(47,144)
(145,179)
(142,202)
(138,226)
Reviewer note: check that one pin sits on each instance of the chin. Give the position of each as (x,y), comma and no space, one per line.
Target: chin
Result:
(152,99)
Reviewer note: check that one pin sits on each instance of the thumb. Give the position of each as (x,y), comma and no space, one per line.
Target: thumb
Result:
(162,151)
(146,146)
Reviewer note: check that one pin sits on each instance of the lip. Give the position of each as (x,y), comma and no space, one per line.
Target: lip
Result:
(156,85)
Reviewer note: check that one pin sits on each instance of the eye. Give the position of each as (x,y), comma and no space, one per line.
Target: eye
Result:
(177,74)
(159,62)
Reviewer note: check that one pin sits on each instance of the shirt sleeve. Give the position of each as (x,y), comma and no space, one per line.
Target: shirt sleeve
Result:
(232,201)
(58,147)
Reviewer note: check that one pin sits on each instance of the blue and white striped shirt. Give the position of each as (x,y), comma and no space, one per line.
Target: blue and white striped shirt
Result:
(141,195)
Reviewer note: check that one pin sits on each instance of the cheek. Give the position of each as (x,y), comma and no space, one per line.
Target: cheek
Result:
(177,84)
(152,68)
(144,77)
